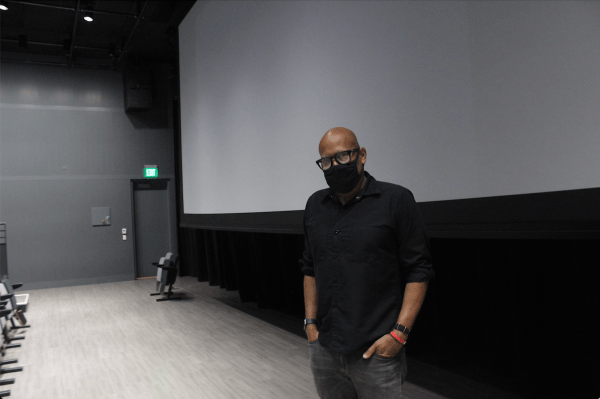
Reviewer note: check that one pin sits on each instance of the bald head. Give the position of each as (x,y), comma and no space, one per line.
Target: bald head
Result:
(336,140)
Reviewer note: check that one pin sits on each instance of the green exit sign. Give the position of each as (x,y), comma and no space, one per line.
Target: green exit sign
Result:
(151,173)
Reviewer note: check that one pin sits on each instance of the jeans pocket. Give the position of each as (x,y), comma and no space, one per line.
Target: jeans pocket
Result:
(377,355)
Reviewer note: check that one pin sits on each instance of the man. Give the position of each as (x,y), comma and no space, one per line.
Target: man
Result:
(366,267)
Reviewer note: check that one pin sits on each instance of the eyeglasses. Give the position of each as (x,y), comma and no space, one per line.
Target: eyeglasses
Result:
(341,158)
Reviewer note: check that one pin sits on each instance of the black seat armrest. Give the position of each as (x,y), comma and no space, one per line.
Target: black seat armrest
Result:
(6,296)
(167,267)
(18,285)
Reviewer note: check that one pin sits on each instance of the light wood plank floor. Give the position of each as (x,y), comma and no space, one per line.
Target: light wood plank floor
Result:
(115,341)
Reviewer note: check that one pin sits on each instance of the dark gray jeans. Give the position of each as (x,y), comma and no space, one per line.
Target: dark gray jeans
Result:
(339,376)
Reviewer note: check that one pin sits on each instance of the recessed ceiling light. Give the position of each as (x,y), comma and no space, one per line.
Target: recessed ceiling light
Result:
(3,7)
(88,16)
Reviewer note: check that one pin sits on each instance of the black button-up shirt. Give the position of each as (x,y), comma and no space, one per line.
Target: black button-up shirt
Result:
(362,254)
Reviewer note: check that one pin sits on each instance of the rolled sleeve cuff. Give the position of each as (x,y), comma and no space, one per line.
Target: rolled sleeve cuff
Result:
(419,276)
(307,270)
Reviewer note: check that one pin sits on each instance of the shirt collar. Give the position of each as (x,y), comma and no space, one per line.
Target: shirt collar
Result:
(371,188)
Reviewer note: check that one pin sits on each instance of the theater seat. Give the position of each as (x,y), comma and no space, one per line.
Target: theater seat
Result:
(171,270)
(161,278)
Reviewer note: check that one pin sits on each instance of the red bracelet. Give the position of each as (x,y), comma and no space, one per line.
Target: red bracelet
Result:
(397,338)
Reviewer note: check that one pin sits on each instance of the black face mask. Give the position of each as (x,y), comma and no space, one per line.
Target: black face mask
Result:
(343,178)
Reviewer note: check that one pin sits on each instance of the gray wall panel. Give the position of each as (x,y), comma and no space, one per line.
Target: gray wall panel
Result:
(55,86)
(86,142)
(52,234)
(52,118)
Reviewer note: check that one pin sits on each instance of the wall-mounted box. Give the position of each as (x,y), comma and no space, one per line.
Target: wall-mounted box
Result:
(101,216)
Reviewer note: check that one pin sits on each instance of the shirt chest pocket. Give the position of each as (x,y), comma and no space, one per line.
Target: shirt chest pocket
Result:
(372,243)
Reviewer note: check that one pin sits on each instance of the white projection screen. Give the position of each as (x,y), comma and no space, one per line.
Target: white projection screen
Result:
(453,100)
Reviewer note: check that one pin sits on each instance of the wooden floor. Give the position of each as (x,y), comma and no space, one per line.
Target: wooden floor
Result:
(115,341)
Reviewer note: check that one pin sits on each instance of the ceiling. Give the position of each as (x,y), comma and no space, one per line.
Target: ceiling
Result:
(122,32)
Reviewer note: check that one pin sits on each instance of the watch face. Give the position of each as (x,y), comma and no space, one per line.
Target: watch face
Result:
(402,329)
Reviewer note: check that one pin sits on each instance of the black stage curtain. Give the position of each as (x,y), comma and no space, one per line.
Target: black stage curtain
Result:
(521,315)
(518,314)
(263,267)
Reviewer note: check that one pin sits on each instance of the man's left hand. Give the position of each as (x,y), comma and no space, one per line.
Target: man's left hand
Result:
(385,346)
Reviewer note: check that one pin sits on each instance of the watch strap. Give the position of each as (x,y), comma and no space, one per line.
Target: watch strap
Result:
(309,321)
(402,329)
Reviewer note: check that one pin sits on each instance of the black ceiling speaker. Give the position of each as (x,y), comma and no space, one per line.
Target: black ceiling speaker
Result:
(138,89)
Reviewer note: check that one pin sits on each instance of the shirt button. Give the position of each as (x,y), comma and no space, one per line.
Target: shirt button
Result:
(337,231)
(335,255)
(357,197)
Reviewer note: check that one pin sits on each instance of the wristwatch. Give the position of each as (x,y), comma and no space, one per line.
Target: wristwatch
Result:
(309,321)
(402,329)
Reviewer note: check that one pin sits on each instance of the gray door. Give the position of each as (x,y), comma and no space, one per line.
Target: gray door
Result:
(151,224)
